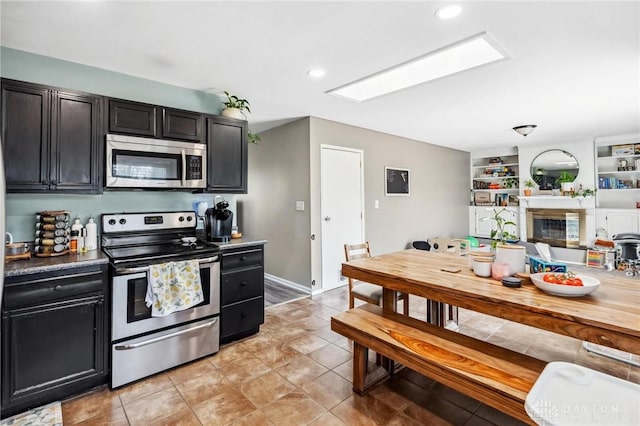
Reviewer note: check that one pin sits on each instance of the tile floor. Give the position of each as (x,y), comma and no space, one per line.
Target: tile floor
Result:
(296,371)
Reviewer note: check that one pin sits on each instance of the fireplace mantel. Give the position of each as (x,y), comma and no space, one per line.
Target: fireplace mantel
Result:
(557,202)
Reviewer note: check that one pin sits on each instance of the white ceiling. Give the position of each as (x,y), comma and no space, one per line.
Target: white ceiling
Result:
(574,68)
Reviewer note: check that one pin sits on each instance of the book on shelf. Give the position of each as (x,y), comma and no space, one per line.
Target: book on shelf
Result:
(616,183)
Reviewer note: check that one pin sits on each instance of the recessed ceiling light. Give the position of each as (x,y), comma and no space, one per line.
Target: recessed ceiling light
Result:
(448,12)
(463,55)
(316,73)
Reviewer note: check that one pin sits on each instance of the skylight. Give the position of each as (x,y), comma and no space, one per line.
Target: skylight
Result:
(463,55)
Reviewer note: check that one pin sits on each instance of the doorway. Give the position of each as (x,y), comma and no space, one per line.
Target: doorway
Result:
(342,208)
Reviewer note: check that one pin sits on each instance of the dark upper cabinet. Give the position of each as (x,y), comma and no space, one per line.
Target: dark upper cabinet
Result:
(138,119)
(178,124)
(227,155)
(50,139)
(132,118)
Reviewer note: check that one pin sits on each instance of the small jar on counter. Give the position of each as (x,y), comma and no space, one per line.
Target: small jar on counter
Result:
(73,243)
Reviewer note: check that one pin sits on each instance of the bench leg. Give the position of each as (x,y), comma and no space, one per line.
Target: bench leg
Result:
(364,380)
(360,360)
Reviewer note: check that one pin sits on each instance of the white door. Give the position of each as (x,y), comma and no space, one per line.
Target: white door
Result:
(342,198)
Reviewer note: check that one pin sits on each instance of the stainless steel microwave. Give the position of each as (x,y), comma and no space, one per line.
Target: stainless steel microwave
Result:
(134,162)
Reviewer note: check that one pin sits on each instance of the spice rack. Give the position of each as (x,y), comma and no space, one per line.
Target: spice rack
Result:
(52,233)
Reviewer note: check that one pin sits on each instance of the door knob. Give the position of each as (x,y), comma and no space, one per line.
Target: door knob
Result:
(327,218)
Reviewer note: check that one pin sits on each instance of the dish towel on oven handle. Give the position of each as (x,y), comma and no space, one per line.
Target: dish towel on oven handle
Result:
(173,286)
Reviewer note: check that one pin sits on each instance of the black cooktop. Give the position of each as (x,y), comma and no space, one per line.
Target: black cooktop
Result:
(155,253)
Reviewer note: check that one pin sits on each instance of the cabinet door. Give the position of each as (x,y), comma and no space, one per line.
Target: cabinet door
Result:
(177,124)
(226,155)
(75,157)
(48,349)
(25,136)
(483,222)
(511,215)
(132,118)
(621,221)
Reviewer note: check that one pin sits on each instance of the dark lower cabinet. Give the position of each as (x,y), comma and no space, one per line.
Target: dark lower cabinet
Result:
(241,292)
(227,155)
(54,332)
(50,139)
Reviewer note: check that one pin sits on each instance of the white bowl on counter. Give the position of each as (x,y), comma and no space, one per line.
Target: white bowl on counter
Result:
(589,285)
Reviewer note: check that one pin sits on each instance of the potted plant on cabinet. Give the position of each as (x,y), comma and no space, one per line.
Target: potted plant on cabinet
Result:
(529,183)
(253,137)
(565,180)
(234,107)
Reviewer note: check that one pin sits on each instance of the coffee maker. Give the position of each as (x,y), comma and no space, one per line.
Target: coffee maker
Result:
(217,221)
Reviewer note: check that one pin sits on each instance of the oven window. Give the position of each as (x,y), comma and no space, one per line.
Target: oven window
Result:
(137,309)
(146,165)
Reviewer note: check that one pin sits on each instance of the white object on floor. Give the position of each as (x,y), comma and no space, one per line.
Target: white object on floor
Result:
(610,353)
(47,415)
(569,394)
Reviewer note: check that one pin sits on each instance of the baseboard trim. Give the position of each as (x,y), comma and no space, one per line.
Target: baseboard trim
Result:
(288,283)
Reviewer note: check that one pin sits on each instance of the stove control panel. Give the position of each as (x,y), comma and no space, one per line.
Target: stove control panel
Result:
(138,222)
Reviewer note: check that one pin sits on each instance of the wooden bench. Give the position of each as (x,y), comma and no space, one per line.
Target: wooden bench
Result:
(491,374)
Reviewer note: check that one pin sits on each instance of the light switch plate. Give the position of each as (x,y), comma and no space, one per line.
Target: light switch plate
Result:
(300,205)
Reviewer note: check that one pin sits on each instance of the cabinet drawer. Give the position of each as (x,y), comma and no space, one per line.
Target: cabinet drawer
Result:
(241,259)
(42,290)
(241,285)
(241,317)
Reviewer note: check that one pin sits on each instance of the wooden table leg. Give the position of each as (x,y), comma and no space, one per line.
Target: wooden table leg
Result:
(389,303)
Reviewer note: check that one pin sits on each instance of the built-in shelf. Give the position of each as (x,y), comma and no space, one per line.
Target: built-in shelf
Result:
(495,177)
(610,180)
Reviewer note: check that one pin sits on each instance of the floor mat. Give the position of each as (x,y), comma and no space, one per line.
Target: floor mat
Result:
(47,415)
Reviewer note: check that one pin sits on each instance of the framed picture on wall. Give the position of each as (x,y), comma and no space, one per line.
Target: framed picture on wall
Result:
(396,181)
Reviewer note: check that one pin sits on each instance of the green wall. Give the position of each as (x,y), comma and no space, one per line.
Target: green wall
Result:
(20,65)
(21,208)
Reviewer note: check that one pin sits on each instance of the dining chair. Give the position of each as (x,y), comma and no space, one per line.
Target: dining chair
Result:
(370,293)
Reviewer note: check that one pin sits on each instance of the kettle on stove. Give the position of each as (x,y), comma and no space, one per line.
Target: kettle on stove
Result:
(217,221)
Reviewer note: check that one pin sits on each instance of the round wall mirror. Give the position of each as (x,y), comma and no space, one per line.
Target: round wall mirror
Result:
(550,168)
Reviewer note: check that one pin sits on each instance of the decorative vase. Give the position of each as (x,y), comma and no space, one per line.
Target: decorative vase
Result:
(234,113)
(567,186)
(513,255)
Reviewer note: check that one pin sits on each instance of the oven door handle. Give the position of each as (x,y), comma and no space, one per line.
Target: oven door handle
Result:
(122,271)
(184,169)
(165,337)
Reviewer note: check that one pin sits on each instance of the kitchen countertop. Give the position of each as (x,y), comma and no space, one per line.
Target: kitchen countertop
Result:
(35,265)
(96,257)
(240,242)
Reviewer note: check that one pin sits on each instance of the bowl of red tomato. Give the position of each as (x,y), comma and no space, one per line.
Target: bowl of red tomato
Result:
(565,283)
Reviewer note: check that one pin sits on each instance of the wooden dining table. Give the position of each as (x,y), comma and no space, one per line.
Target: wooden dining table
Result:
(610,316)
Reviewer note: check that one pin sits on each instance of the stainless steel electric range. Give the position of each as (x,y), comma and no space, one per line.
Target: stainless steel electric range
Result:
(142,345)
